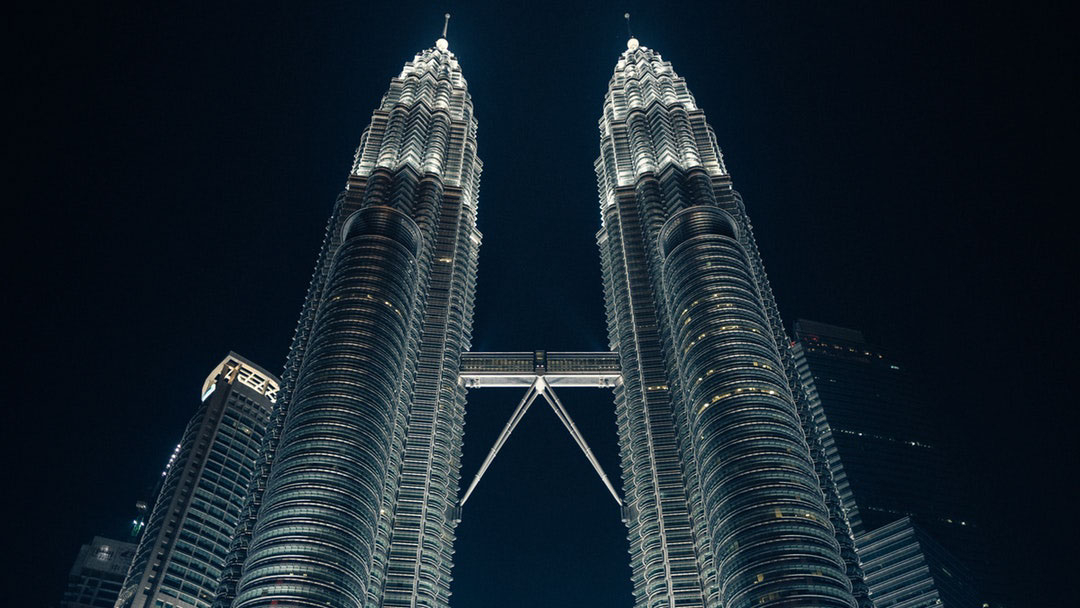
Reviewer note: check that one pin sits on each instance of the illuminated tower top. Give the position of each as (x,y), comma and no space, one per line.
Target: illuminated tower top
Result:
(651,122)
(405,133)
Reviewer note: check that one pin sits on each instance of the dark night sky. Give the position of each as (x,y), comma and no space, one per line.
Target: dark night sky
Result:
(904,164)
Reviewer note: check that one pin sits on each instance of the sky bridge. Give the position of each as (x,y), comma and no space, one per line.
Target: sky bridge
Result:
(539,372)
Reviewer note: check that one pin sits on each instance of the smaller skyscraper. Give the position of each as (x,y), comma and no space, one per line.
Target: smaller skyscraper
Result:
(181,554)
(905,568)
(97,574)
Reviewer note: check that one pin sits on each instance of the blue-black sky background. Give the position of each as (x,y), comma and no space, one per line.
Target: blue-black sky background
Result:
(906,166)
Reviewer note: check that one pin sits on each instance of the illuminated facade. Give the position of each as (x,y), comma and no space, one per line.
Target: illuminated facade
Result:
(729,498)
(355,498)
(182,550)
(356,495)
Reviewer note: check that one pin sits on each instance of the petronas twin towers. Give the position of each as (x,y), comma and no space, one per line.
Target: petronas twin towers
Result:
(727,495)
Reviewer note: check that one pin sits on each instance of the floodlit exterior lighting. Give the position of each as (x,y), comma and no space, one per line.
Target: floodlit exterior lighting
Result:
(356,498)
(729,493)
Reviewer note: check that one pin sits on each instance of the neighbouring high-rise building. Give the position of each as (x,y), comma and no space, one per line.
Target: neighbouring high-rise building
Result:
(182,550)
(98,572)
(905,568)
(884,450)
(884,443)
(728,493)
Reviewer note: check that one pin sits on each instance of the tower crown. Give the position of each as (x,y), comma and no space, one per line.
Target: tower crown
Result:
(425,122)
(238,369)
(650,122)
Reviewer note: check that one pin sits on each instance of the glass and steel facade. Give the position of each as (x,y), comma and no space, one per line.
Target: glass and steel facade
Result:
(881,439)
(354,498)
(886,454)
(905,568)
(729,497)
(182,551)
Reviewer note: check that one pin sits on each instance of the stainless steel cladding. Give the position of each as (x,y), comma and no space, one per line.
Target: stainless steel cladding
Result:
(353,496)
(725,502)
(314,540)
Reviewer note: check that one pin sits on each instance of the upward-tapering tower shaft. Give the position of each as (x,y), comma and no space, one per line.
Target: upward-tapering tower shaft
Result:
(725,504)
(353,502)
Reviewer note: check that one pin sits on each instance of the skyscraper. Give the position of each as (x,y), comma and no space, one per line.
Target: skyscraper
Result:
(905,568)
(730,495)
(98,572)
(355,502)
(883,445)
(881,432)
(182,550)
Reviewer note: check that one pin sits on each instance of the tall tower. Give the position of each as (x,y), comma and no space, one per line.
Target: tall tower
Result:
(182,551)
(355,498)
(885,450)
(729,501)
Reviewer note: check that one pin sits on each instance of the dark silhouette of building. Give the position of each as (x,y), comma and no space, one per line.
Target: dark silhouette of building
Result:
(886,453)
(98,572)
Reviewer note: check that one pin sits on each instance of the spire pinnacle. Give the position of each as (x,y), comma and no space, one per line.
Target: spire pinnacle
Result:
(441,43)
(632,43)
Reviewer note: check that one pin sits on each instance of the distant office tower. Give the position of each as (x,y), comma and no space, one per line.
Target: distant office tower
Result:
(881,433)
(355,500)
(98,572)
(729,497)
(186,538)
(882,441)
(905,568)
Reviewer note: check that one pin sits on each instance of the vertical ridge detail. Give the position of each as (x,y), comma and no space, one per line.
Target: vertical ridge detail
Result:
(382,372)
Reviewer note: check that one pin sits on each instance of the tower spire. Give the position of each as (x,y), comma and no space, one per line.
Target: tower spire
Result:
(632,43)
(441,43)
